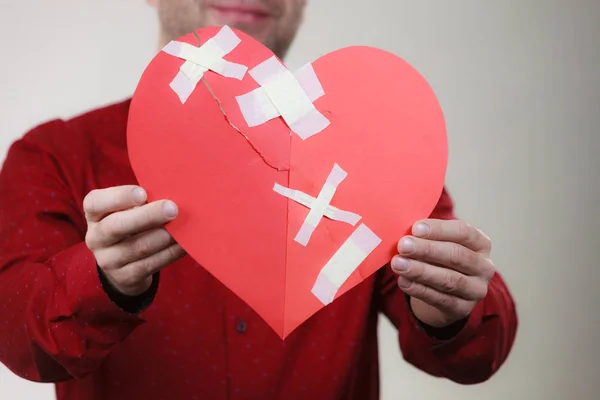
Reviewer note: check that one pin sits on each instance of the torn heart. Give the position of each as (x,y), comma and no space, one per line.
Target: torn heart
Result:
(293,186)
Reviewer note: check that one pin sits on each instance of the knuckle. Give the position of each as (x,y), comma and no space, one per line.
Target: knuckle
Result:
(142,248)
(464,231)
(148,216)
(456,255)
(406,284)
(144,267)
(90,240)
(93,238)
(424,248)
(482,292)
(470,258)
(103,229)
(438,252)
(486,240)
(447,302)
(131,279)
(106,263)
(454,283)
(89,201)
(487,245)
(141,272)
(488,270)
(485,267)
(168,256)
(421,291)
(107,259)
(112,227)
(172,252)
(463,308)
(415,272)
(103,263)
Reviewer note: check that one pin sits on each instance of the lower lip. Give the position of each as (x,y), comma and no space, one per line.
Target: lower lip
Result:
(230,15)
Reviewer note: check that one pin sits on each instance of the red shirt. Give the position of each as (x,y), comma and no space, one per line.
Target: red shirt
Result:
(189,337)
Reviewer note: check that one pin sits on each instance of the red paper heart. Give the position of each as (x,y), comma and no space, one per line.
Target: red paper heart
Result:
(386,131)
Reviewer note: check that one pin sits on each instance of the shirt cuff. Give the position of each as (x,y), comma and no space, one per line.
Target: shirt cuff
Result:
(86,295)
(130,304)
(450,338)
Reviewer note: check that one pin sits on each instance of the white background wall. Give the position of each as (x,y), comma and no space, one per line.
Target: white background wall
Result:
(519,81)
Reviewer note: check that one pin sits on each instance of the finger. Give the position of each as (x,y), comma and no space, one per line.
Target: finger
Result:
(442,279)
(453,231)
(100,202)
(122,224)
(446,254)
(139,270)
(445,302)
(134,248)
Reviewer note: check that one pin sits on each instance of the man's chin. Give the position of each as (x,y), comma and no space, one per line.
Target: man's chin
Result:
(257,31)
(259,34)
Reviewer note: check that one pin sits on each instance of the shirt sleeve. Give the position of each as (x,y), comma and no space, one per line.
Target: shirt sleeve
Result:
(56,321)
(468,352)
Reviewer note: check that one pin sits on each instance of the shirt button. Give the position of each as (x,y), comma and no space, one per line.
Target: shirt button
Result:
(241,326)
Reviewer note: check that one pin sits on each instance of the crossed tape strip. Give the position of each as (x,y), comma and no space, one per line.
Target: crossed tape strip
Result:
(284,94)
(361,243)
(319,207)
(207,57)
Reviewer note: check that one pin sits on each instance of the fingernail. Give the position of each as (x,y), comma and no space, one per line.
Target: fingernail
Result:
(400,264)
(170,209)
(139,195)
(421,229)
(408,245)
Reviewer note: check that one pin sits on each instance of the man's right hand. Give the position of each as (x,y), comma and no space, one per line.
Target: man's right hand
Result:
(127,236)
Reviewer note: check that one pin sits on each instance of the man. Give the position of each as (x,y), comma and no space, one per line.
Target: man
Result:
(97,297)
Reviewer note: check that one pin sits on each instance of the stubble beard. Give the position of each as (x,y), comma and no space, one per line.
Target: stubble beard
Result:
(177,22)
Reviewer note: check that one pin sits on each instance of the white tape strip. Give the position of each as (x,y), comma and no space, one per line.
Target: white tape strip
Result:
(336,176)
(307,200)
(344,262)
(199,60)
(319,207)
(284,94)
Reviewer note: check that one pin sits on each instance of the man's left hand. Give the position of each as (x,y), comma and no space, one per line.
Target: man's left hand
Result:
(445,269)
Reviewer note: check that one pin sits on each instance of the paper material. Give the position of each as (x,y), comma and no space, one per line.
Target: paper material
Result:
(350,255)
(284,94)
(320,206)
(382,125)
(201,59)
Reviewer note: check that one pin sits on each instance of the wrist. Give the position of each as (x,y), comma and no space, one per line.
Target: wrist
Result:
(133,303)
(131,290)
(440,329)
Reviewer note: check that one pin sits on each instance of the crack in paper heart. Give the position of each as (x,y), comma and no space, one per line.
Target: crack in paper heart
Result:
(222,109)
(214,96)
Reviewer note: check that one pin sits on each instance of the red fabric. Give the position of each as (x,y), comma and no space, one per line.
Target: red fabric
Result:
(58,325)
